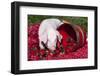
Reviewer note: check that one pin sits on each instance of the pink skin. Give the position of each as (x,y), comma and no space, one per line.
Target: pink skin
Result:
(53,35)
(48,33)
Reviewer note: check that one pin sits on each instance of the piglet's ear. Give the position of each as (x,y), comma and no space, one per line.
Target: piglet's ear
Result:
(59,36)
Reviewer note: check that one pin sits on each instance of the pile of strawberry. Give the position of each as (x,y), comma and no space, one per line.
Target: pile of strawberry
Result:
(69,45)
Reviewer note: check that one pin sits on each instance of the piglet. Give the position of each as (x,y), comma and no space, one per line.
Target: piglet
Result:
(48,33)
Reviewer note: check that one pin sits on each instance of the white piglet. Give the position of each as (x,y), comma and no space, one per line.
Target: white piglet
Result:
(48,33)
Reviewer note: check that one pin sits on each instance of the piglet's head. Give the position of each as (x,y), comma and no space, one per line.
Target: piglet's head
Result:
(53,35)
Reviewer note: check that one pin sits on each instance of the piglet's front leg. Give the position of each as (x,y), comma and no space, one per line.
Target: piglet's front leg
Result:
(47,49)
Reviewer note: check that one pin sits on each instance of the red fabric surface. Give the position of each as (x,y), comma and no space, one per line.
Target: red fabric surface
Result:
(35,53)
